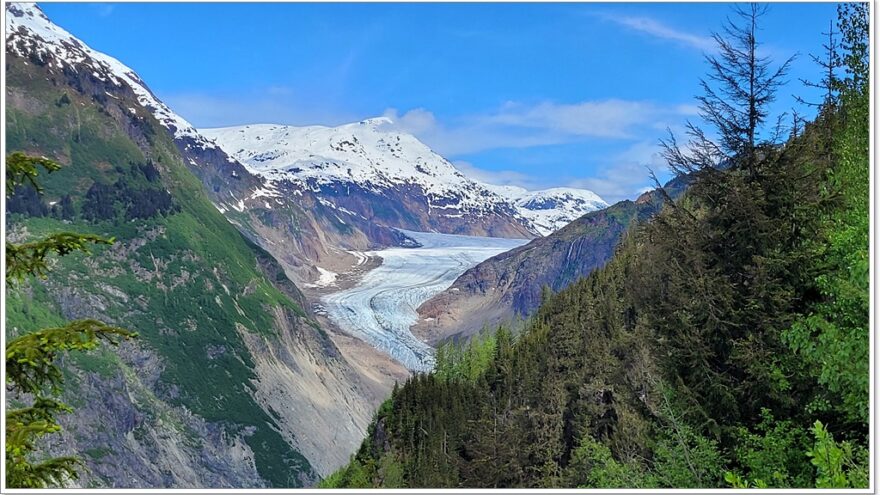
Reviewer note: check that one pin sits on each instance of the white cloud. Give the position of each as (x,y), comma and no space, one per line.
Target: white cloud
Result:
(417,121)
(501,177)
(688,109)
(657,29)
(627,174)
(103,9)
(521,125)
(606,118)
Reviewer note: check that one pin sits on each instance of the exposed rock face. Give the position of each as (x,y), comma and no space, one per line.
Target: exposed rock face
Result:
(509,285)
(328,392)
(201,398)
(140,440)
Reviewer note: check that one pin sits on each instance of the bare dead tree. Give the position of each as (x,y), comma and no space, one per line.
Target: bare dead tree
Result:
(830,64)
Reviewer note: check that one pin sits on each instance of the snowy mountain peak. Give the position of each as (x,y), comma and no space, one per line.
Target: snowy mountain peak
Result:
(30,34)
(551,209)
(374,155)
(31,18)
(548,198)
(369,153)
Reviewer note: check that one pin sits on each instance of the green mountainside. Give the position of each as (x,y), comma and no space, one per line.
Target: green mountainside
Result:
(179,274)
(510,286)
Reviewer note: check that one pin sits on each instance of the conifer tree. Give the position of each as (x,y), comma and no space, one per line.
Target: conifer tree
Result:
(30,358)
(740,86)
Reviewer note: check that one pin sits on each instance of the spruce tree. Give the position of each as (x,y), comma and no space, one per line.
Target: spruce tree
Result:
(30,358)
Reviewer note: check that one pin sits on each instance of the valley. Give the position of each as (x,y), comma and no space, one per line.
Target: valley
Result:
(381,307)
(256,229)
(390,301)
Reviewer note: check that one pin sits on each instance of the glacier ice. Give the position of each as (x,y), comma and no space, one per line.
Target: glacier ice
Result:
(381,308)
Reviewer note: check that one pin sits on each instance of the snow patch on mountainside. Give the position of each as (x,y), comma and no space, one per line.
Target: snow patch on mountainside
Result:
(30,33)
(325,278)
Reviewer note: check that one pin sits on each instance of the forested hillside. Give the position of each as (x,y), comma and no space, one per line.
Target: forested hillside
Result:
(508,287)
(725,344)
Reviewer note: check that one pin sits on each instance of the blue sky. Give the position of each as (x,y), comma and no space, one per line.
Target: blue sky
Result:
(536,95)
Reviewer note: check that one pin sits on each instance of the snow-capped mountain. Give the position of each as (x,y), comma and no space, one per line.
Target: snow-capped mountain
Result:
(29,33)
(366,153)
(429,192)
(549,210)
(374,156)
(302,223)
(368,173)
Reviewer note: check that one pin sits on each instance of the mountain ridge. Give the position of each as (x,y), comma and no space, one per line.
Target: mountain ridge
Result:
(510,286)
(373,155)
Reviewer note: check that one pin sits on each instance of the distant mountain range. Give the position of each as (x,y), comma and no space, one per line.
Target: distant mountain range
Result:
(371,159)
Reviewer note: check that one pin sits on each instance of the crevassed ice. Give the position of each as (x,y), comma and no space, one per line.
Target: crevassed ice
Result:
(381,309)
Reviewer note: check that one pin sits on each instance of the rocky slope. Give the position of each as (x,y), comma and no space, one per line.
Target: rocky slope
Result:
(231,383)
(509,286)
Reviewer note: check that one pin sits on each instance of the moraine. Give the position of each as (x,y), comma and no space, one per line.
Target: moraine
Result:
(381,308)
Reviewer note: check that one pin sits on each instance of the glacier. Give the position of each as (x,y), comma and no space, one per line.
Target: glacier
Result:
(381,308)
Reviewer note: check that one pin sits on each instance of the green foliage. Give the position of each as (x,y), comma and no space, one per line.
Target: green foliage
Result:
(29,259)
(23,428)
(29,307)
(838,465)
(772,455)
(593,466)
(30,358)
(391,472)
(138,194)
(832,336)
(193,283)
(364,475)
(468,360)
(683,458)
(23,169)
